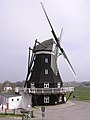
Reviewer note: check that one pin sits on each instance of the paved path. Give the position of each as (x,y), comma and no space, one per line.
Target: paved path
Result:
(70,111)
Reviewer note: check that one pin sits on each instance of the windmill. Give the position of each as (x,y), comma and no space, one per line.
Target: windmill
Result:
(43,80)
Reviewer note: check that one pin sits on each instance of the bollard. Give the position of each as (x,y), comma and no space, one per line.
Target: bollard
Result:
(43,112)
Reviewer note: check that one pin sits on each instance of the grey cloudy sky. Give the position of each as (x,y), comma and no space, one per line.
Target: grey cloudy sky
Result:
(23,21)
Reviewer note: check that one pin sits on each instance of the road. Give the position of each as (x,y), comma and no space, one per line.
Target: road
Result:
(70,111)
(77,111)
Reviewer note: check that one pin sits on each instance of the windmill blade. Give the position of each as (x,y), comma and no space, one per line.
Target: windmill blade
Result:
(29,69)
(57,40)
(29,58)
(52,30)
(60,38)
(30,63)
(49,23)
(65,56)
(46,15)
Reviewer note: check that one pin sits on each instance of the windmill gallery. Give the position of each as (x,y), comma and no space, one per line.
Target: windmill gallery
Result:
(43,81)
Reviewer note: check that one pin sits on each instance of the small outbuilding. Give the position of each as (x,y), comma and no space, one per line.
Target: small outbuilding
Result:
(10,101)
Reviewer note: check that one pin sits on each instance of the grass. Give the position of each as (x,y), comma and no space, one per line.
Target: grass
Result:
(3,115)
(81,93)
(11,115)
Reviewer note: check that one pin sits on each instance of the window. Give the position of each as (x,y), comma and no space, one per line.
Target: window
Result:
(46,85)
(46,71)
(17,99)
(46,60)
(32,85)
(58,85)
(46,99)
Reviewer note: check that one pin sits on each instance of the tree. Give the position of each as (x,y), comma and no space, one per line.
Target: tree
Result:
(6,83)
(0,87)
(19,84)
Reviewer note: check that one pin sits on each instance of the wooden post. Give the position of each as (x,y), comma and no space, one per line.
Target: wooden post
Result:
(14,111)
(32,114)
(5,111)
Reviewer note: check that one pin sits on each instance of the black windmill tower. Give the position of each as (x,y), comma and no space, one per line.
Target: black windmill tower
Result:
(43,79)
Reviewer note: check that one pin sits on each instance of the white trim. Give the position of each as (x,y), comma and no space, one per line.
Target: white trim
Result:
(45,52)
(46,99)
(46,85)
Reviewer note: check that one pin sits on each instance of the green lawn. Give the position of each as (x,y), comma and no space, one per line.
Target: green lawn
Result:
(82,93)
(10,115)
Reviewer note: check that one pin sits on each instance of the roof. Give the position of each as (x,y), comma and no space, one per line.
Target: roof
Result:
(8,85)
(9,95)
(47,45)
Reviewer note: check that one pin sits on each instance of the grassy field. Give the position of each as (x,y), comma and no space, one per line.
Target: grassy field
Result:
(82,93)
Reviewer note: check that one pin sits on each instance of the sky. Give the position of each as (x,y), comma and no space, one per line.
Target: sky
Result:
(23,21)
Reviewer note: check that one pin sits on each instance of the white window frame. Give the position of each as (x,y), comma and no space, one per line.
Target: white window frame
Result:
(32,85)
(46,71)
(46,60)
(46,99)
(58,85)
(46,85)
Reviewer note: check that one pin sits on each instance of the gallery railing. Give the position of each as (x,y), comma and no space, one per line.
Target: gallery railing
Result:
(61,90)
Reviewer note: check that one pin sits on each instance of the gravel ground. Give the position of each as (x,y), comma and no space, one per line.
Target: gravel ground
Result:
(70,111)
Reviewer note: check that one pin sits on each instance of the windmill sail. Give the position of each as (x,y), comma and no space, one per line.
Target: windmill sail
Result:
(30,63)
(57,41)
